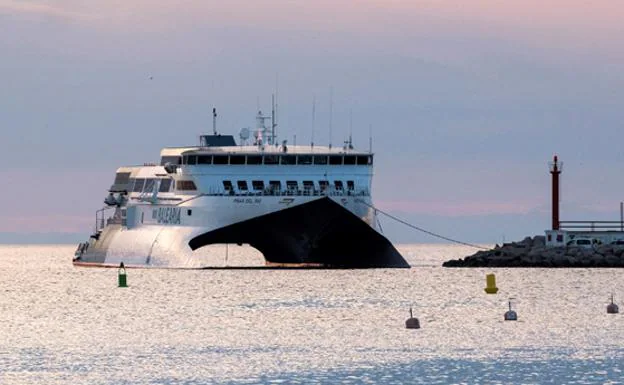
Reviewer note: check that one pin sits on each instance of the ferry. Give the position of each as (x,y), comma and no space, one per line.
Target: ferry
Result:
(303,205)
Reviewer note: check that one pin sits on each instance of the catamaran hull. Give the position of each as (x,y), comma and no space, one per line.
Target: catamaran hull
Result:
(334,232)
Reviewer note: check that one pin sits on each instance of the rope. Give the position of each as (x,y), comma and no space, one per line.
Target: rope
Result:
(378,222)
(421,229)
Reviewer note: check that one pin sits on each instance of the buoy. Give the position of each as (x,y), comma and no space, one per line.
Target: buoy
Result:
(121,276)
(490,287)
(510,315)
(412,323)
(612,308)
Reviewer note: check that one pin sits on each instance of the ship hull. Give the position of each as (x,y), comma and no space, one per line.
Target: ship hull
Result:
(331,232)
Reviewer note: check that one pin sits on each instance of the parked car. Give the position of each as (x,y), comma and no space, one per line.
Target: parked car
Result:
(587,243)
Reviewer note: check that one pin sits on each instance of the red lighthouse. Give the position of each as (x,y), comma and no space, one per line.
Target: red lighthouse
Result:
(555,170)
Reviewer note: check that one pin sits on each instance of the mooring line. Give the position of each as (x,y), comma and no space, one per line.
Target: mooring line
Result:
(421,229)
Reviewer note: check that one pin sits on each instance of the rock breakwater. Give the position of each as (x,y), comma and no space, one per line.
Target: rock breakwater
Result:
(532,252)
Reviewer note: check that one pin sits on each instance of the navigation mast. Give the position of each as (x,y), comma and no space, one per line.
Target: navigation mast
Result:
(214,121)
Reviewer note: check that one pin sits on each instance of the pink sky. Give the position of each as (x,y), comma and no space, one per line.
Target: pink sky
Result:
(557,15)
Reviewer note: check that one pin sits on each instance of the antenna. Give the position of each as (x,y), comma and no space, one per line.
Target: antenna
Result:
(276,96)
(274,99)
(350,129)
(214,121)
(331,108)
(370,138)
(313,118)
(273,123)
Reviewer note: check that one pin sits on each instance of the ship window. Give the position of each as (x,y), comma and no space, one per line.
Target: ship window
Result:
(338,184)
(304,159)
(289,159)
(323,184)
(189,212)
(335,159)
(122,178)
(220,159)
(204,159)
(165,185)
(363,160)
(349,159)
(254,159)
(242,185)
(171,160)
(149,185)
(292,184)
(275,185)
(271,159)
(192,159)
(308,185)
(257,184)
(320,159)
(237,159)
(138,185)
(350,185)
(186,185)
(227,185)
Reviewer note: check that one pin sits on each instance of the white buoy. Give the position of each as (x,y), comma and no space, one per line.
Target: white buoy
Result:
(412,323)
(511,315)
(612,308)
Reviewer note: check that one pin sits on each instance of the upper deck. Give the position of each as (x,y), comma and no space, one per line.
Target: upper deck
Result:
(265,155)
(217,168)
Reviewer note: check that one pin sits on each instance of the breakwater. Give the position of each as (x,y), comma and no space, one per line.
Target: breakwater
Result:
(532,252)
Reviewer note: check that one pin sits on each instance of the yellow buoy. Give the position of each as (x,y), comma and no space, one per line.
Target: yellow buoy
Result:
(490,287)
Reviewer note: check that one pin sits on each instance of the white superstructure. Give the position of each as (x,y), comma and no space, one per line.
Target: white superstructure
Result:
(296,204)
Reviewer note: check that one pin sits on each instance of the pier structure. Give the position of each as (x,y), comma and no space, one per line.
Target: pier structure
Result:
(585,234)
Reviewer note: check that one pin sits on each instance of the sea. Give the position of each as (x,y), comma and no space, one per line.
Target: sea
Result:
(61,324)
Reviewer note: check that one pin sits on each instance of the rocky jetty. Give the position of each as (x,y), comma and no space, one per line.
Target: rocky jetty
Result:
(532,252)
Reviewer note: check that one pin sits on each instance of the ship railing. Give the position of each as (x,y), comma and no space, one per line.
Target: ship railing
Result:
(271,192)
(287,192)
(592,225)
(104,217)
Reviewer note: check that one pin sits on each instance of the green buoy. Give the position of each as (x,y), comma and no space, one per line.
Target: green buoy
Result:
(121,276)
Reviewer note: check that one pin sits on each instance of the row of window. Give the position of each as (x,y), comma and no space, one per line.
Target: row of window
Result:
(147,185)
(333,160)
(276,185)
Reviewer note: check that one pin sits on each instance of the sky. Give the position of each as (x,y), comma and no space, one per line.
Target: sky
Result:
(466,101)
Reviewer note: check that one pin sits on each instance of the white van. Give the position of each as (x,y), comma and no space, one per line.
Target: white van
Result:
(586,243)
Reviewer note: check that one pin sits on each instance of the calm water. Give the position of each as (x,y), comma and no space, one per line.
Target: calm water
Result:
(61,325)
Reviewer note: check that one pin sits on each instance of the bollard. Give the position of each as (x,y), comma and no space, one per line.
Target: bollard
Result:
(490,287)
(510,315)
(121,276)
(412,323)
(612,308)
